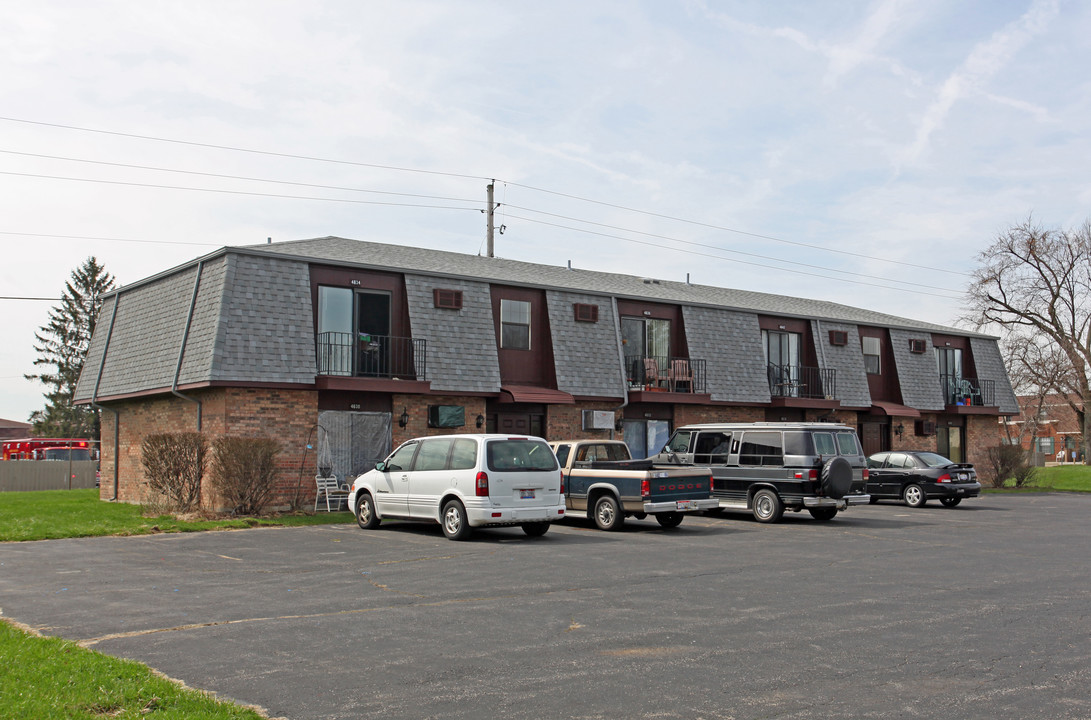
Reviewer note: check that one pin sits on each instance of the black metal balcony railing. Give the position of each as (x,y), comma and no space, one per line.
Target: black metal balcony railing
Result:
(797,381)
(967,391)
(365,355)
(666,374)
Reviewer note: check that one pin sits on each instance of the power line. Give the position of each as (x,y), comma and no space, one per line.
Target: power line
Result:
(236,177)
(109,239)
(240,149)
(235,192)
(478,177)
(932,291)
(715,247)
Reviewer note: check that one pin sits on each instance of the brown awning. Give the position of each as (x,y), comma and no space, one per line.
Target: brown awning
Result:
(889,408)
(532,394)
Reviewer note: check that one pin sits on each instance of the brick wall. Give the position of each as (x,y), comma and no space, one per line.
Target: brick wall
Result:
(693,414)
(565,422)
(417,408)
(283,415)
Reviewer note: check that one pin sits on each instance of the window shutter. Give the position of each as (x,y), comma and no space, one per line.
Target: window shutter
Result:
(447,299)
(586,312)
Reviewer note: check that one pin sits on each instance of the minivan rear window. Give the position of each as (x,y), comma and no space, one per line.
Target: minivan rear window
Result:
(519,455)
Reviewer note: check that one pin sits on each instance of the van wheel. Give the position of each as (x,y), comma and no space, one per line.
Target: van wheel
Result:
(914,496)
(455,525)
(767,506)
(535,529)
(669,519)
(823,514)
(365,512)
(607,513)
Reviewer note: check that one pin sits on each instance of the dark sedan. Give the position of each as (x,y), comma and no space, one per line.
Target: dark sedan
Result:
(917,476)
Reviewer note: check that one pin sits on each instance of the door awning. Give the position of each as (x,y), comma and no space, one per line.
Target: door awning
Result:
(533,394)
(889,408)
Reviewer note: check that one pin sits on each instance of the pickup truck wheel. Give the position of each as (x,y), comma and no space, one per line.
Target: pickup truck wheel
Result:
(365,512)
(454,521)
(607,513)
(767,506)
(823,514)
(914,496)
(669,519)
(535,529)
(950,502)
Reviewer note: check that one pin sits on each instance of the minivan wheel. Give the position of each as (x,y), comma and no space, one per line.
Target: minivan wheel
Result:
(365,512)
(607,513)
(914,496)
(535,529)
(767,506)
(455,525)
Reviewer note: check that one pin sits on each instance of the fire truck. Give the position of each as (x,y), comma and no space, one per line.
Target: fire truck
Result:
(50,449)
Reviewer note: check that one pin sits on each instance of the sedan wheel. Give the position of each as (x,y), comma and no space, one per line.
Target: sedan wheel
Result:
(950,502)
(914,496)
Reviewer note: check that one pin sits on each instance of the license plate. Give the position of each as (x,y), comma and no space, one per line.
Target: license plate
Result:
(686,505)
(963,476)
(526,494)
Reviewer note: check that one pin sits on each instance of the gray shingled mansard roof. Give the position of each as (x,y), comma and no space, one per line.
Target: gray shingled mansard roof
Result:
(252,321)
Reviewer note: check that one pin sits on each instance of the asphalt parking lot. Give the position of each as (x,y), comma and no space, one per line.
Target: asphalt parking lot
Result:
(981,611)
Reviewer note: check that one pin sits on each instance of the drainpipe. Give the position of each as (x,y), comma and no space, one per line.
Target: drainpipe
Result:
(621,354)
(182,349)
(94,396)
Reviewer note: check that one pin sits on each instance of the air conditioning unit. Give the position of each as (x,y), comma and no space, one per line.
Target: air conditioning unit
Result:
(924,428)
(839,337)
(598,420)
(917,346)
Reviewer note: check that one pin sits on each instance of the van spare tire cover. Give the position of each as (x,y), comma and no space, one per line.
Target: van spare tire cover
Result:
(837,477)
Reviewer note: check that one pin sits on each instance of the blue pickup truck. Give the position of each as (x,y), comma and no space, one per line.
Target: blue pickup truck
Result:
(603,481)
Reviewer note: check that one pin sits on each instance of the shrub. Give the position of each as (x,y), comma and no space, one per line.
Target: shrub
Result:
(1009,462)
(174,464)
(244,472)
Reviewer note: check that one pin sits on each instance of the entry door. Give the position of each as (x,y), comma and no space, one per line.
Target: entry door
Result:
(373,333)
(949,443)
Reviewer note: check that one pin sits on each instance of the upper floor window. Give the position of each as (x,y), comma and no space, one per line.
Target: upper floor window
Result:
(872,349)
(781,348)
(949,361)
(515,324)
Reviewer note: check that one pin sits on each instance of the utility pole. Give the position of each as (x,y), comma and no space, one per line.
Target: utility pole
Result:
(488,222)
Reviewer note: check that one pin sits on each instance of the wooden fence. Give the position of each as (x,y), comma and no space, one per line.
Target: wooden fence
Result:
(47,474)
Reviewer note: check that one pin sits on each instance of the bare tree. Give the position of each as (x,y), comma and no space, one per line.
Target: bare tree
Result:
(1036,283)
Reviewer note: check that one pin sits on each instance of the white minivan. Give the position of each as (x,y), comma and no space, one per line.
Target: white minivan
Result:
(463,482)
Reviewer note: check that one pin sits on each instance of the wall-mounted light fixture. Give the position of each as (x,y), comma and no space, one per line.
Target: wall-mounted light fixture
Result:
(899,429)
(480,421)
(404,419)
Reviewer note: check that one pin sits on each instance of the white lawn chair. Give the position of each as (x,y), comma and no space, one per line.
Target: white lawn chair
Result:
(328,488)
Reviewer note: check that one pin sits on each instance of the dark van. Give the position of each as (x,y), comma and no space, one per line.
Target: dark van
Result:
(766,468)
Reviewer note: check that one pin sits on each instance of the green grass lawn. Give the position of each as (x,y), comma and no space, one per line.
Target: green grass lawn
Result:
(51,514)
(1067,478)
(44,678)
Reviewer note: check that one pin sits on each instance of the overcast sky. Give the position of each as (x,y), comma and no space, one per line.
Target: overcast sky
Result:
(853,151)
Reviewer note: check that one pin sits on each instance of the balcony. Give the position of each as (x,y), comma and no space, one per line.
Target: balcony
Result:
(797,381)
(665,374)
(363,355)
(969,392)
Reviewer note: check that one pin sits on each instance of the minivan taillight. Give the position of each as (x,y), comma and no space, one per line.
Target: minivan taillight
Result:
(481,486)
(562,482)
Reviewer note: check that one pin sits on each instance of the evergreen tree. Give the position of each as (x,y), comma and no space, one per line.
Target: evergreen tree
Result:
(62,346)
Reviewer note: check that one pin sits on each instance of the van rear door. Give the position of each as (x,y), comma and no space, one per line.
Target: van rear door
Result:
(522,472)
